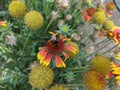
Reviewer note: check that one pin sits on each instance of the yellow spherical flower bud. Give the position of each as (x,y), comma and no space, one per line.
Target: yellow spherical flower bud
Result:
(110,6)
(41,77)
(100,9)
(99,17)
(17,9)
(101,64)
(74,45)
(94,80)
(33,19)
(108,24)
(59,87)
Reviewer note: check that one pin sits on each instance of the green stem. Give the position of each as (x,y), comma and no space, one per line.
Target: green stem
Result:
(74,85)
(48,25)
(26,41)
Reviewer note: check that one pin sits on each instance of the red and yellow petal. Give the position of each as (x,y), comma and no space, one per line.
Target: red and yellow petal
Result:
(47,60)
(71,49)
(3,23)
(42,54)
(59,62)
(66,55)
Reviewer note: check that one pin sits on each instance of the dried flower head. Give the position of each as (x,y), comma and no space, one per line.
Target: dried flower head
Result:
(97,17)
(63,4)
(41,77)
(101,64)
(89,49)
(68,17)
(10,39)
(60,22)
(59,87)
(32,65)
(34,20)
(75,36)
(94,80)
(53,15)
(17,9)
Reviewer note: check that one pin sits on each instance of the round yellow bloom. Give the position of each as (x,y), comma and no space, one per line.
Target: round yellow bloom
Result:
(17,9)
(99,17)
(94,80)
(108,24)
(101,64)
(59,87)
(41,77)
(33,19)
(73,44)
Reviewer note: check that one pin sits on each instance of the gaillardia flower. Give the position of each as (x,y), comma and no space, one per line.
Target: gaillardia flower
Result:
(86,16)
(118,56)
(114,33)
(116,71)
(91,11)
(94,80)
(59,87)
(101,64)
(33,20)
(41,77)
(97,17)
(88,13)
(55,48)
(3,24)
(17,9)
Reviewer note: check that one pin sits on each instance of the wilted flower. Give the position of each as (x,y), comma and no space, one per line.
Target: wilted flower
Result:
(59,87)
(60,22)
(17,9)
(114,33)
(55,47)
(41,77)
(68,17)
(34,20)
(54,15)
(3,24)
(89,49)
(94,80)
(75,36)
(63,4)
(32,65)
(101,64)
(11,39)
